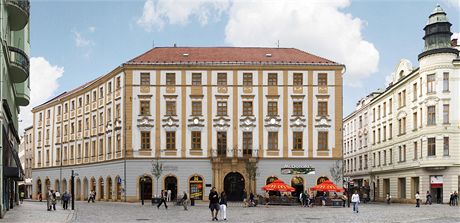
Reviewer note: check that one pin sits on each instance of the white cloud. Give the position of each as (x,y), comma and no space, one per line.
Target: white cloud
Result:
(92,29)
(158,13)
(318,27)
(43,85)
(81,41)
(453,3)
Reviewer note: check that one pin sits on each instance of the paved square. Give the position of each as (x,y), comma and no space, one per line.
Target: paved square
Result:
(134,212)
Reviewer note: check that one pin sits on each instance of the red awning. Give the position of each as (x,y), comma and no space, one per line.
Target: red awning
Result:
(278,185)
(327,186)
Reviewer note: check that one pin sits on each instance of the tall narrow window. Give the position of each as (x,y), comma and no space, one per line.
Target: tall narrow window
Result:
(109,145)
(445,114)
(145,140)
(247,79)
(118,81)
(431,115)
(196,108)
(415,150)
(272,140)
(322,108)
(431,146)
(247,143)
(322,79)
(247,108)
(196,140)
(297,108)
(101,147)
(430,83)
(323,141)
(414,91)
(196,79)
(272,79)
(414,121)
(272,108)
(222,79)
(145,108)
(170,108)
(446,146)
(390,106)
(221,143)
(171,140)
(298,79)
(391,156)
(221,108)
(145,79)
(170,79)
(390,131)
(445,82)
(297,141)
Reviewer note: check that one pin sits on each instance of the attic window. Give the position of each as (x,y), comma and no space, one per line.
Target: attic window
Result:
(268,55)
(185,54)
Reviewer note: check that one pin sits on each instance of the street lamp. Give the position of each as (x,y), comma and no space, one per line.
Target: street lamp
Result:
(72,188)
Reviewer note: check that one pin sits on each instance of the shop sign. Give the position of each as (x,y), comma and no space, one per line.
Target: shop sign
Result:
(170,168)
(436,180)
(297,169)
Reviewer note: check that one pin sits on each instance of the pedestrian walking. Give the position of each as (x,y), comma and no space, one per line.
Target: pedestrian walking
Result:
(223,206)
(58,196)
(21,196)
(65,200)
(214,203)
(168,195)
(53,200)
(355,200)
(388,198)
(344,199)
(48,200)
(245,198)
(417,198)
(184,201)
(428,198)
(455,198)
(162,199)
(451,199)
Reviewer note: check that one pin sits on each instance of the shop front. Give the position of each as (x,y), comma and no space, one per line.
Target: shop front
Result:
(436,186)
(196,187)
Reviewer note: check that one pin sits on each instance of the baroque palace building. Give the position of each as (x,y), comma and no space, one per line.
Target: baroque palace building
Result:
(413,126)
(207,114)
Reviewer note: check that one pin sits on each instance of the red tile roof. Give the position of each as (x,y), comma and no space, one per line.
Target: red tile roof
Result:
(228,55)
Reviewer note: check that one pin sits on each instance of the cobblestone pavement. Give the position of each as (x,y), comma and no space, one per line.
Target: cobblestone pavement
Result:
(134,212)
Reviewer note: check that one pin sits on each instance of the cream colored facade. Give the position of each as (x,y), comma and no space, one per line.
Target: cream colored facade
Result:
(122,116)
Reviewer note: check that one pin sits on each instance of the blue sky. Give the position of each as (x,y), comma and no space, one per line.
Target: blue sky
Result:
(73,42)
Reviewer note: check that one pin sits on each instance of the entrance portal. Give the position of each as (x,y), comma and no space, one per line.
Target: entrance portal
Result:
(297,184)
(234,186)
(171,184)
(147,190)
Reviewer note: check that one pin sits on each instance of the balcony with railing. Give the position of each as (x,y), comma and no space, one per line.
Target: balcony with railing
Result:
(22,93)
(18,13)
(19,65)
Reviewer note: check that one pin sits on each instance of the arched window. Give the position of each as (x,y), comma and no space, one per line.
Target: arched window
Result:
(196,187)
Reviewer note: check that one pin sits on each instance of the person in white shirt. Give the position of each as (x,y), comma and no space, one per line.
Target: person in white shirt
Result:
(355,200)
(417,198)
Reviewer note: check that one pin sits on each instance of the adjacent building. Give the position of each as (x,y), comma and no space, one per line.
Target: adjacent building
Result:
(209,115)
(25,156)
(14,92)
(413,127)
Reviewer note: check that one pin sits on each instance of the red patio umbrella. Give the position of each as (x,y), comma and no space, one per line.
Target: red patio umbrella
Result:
(278,185)
(327,186)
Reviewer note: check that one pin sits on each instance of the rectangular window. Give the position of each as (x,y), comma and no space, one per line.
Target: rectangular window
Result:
(373,114)
(404,97)
(93,149)
(365,162)
(221,143)
(445,114)
(72,152)
(145,108)
(109,145)
(170,108)
(384,109)
(101,147)
(272,79)
(297,108)
(380,158)
(196,140)
(221,108)
(378,112)
(58,154)
(414,120)
(109,87)
(415,150)
(171,140)
(297,140)
(272,140)
(86,150)
(446,146)
(390,105)
(247,79)
(196,79)
(298,79)
(404,153)
(445,82)
(247,143)
(145,79)
(431,115)
(384,133)
(391,156)
(322,79)
(272,108)
(247,108)
(414,91)
(384,157)
(431,146)
(101,95)
(196,108)
(170,79)
(222,79)
(400,153)
(118,81)
(323,141)
(430,83)
(145,140)
(118,143)
(322,108)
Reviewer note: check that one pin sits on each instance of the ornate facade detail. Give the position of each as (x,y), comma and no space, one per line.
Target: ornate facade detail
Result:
(221,123)
(145,123)
(272,123)
(298,123)
(196,123)
(247,123)
(170,123)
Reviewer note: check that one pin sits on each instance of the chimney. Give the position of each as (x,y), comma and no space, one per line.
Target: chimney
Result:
(175,45)
(453,42)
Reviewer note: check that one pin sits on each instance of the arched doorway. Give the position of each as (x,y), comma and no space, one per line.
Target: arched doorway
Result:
(56,184)
(147,184)
(101,188)
(320,180)
(118,187)
(92,184)
(38,187)
(78,189)
(171,184)
(297,184)
(270,180)
(234,186)
(196,187)
(47,187)
(85,188)
(64,186)
(109,188)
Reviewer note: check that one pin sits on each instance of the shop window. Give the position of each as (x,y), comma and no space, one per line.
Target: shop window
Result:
(196,187)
